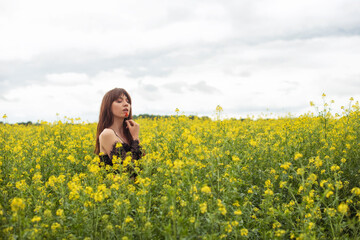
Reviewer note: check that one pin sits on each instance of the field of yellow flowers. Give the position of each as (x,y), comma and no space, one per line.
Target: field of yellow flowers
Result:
(285,178)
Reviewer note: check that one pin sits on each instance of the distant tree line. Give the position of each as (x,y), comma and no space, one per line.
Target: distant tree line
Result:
(21,123)
(147,116)
(152,116)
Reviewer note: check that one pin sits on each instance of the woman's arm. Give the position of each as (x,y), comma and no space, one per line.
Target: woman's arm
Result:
(134,129)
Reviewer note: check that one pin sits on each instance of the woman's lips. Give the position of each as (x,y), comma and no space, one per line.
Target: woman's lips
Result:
(126,112)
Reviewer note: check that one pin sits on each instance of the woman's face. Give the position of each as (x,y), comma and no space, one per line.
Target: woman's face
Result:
(121,107)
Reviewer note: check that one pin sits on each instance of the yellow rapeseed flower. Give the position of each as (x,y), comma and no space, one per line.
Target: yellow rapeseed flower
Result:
(36,219)
(244,232)
(228,227)
(334,168)
(269,192)
(311,225)
(60,212)
(267,183)
(282,184)
(329,194)
(285,165)
(238,212)
(93,168)
(55,226)
(221,207)
(297,156)
(343,208)
(17,204)
(312,177)
(318,162)
(203,207)
(127,161)
(71,158)
(300,171)
(280,232)
(355,191)
(128,219)
(206,189)
(330,211)
(178,164)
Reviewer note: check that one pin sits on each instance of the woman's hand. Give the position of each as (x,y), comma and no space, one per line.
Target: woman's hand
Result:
(134,128)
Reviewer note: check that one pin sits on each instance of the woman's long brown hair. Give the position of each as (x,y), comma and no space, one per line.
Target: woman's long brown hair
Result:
(106,117)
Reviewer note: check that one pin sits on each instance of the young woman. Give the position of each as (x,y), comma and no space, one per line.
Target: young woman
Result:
(117,134)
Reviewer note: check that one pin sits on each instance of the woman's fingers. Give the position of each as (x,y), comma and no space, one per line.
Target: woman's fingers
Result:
(131,123)
(128,124)
(133,128)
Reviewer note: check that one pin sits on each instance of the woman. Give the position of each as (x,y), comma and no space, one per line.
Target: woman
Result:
(117,134)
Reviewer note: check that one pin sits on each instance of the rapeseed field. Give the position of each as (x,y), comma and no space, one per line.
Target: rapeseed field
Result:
(284,178)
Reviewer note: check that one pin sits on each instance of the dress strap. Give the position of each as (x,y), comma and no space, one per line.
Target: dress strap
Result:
(122,141)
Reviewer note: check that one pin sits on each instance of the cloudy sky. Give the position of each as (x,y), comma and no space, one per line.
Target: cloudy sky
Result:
(250,57)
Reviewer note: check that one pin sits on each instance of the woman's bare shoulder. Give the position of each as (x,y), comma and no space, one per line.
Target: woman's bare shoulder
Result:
(107,138)
(106,133)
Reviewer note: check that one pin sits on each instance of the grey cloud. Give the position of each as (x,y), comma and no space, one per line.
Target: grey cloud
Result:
(245,74)
(156,63)
(150,87)
(149,91)
(19,73)
(175,87)
(201,86)
(254,25)
(318,32)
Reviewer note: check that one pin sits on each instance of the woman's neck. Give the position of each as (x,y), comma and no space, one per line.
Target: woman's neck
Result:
(118,125)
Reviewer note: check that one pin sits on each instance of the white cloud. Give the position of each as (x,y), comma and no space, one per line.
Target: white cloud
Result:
(67,78)
(247,56)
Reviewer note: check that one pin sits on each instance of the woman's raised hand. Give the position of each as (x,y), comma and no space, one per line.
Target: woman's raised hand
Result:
(134,128)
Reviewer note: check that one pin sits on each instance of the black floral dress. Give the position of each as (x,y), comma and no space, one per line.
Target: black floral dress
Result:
(121,151)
